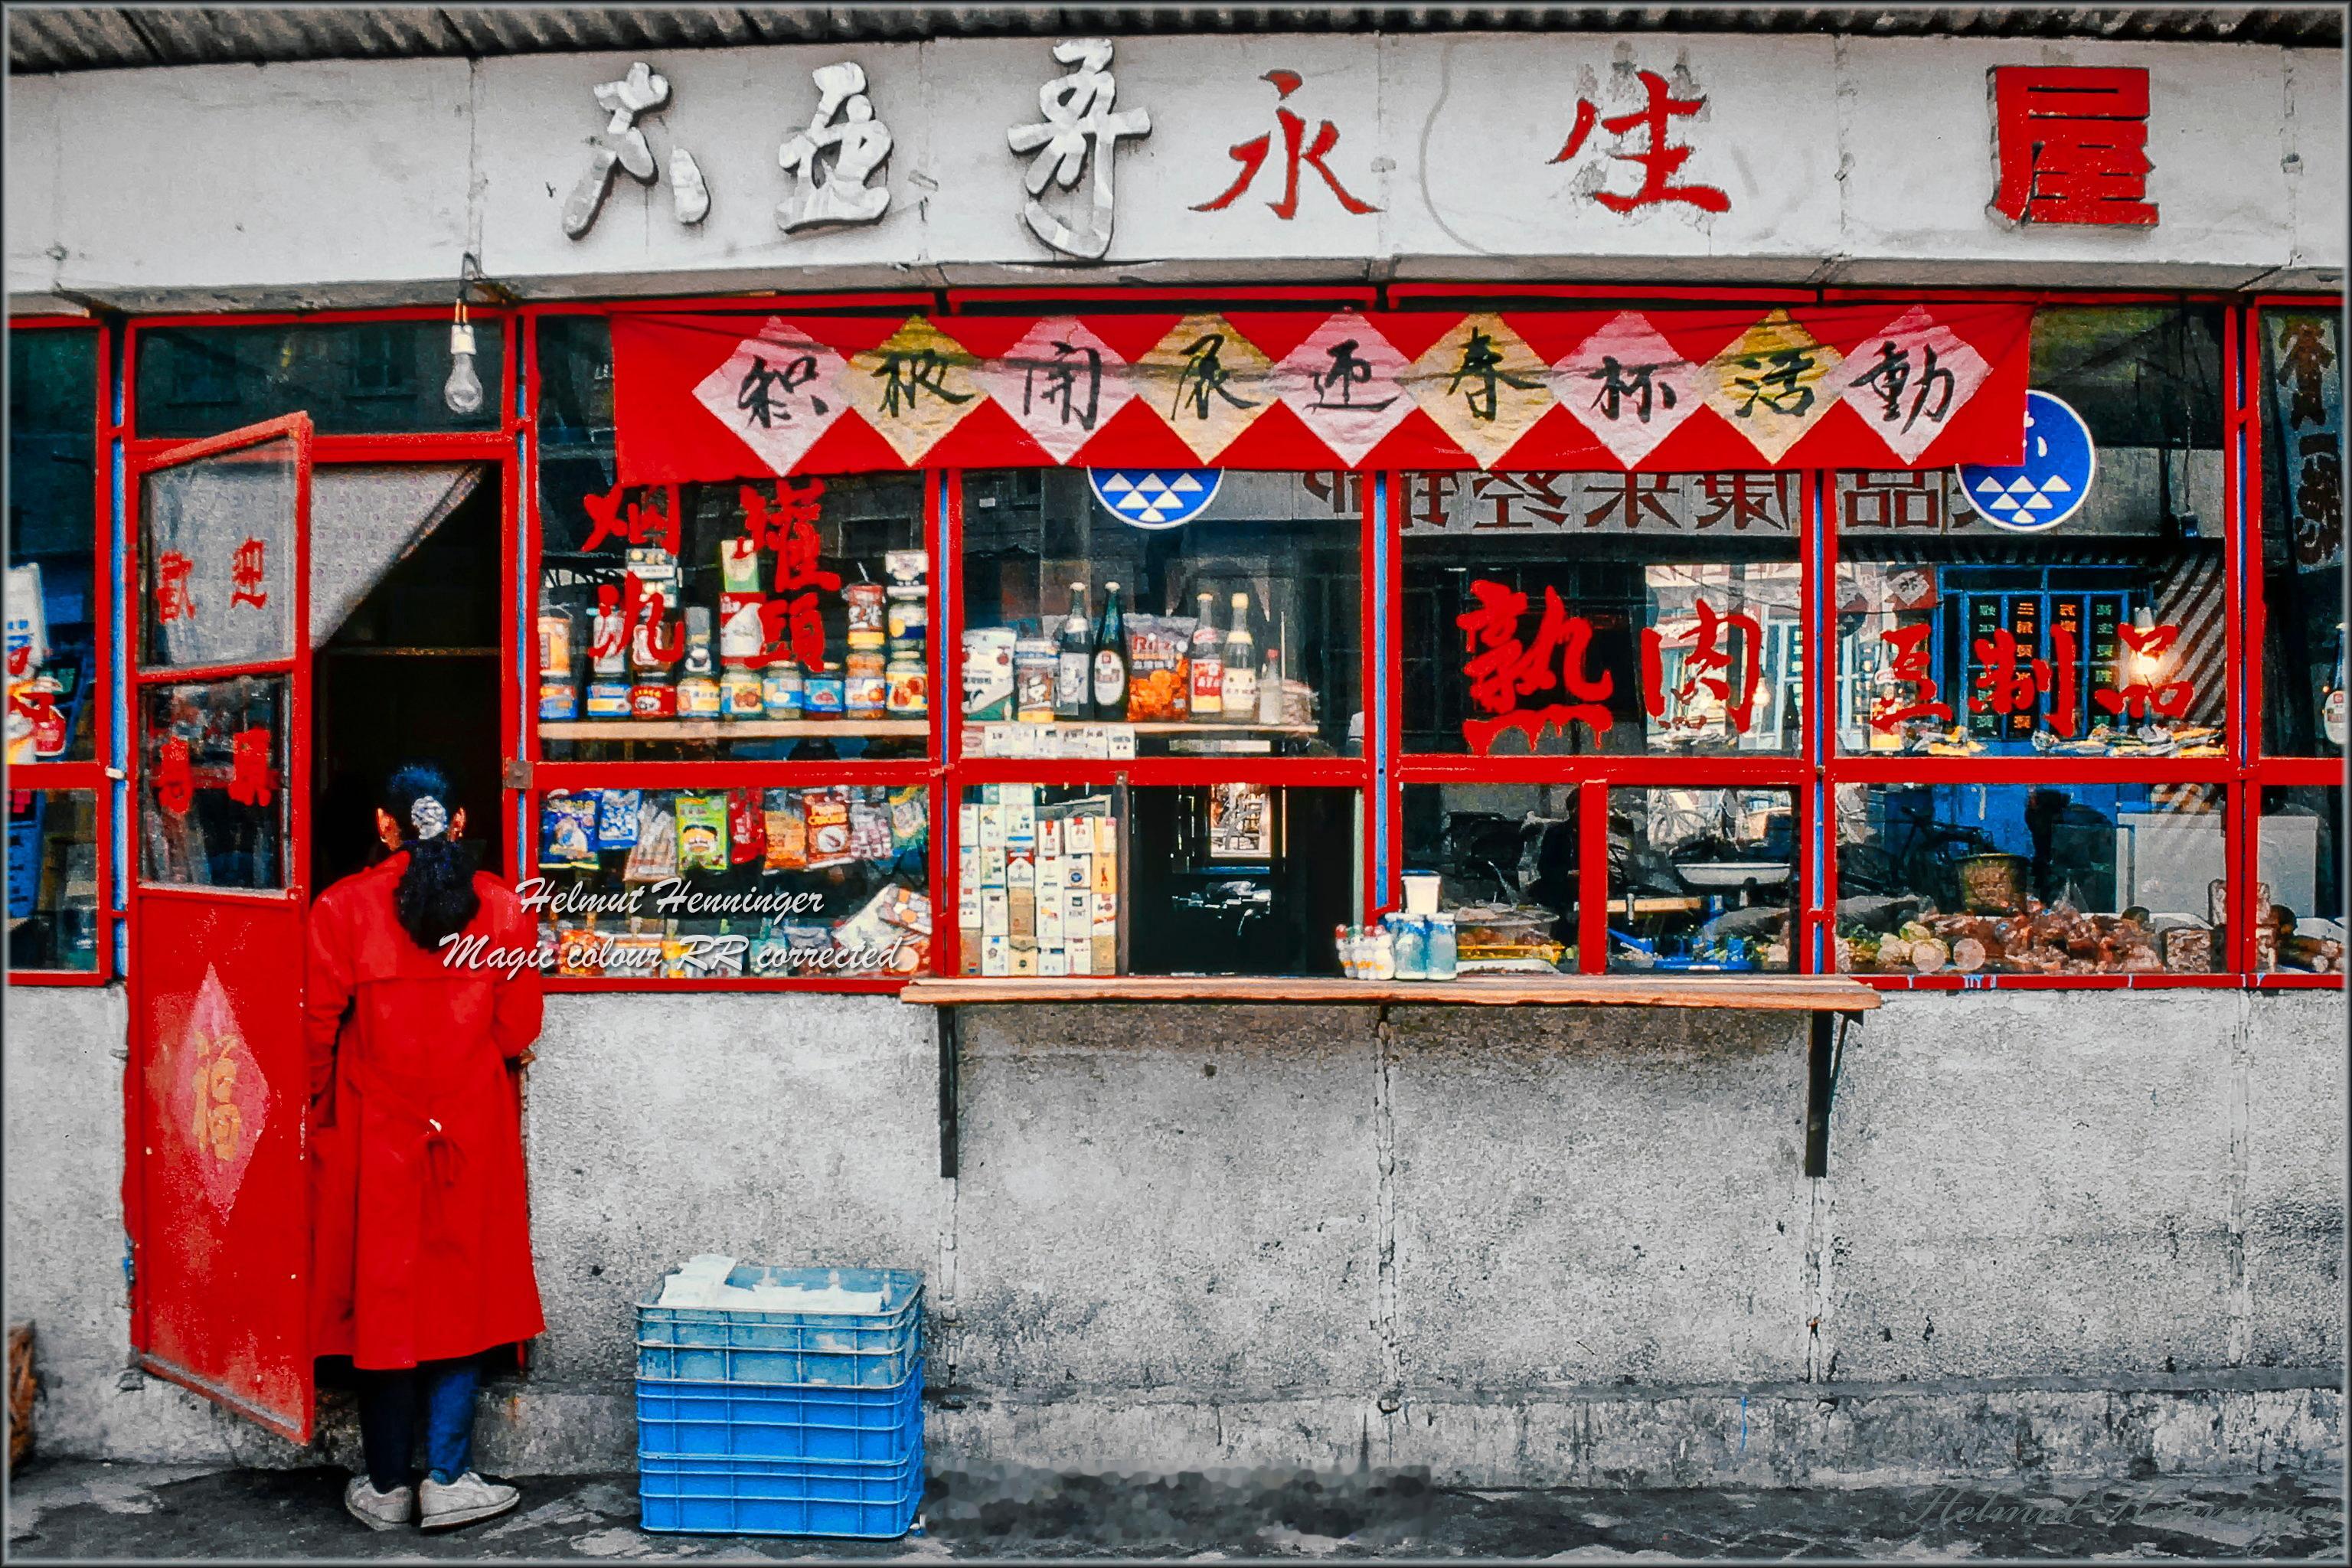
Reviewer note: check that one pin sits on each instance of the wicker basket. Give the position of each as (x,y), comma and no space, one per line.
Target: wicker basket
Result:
(20,1393)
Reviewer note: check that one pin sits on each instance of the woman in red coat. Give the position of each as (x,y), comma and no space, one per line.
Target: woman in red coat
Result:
(422,1250)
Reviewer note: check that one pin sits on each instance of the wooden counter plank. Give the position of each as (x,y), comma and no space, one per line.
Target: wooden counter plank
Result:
(1762,993)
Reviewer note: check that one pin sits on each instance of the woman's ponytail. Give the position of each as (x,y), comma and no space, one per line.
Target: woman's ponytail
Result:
(435,898)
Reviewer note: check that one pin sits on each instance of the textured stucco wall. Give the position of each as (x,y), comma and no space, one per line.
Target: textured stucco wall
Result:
(1514,1248)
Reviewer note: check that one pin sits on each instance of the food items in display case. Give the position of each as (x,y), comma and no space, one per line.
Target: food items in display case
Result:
(1508,938)
(1910,936)
(1038,885)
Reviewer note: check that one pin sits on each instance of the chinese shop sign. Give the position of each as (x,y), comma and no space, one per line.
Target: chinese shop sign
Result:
(2070,144)
(714,397)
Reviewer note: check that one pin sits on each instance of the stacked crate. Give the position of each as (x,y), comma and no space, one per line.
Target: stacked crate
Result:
(760,1421)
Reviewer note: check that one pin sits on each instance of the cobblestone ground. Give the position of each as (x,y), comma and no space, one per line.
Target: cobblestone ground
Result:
(74,1511)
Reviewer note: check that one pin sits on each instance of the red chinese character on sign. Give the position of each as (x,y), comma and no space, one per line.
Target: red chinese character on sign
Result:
(1741,499)
(247,574)
(635,523)
(791,627)
(1659,159)
(1705,665)
(2143,661)
(175,776)
(1251,156)
(2071,144)
(1501,670)
(1909,666)
(251,780)
(1635,496)
(2011,686)
(172,601)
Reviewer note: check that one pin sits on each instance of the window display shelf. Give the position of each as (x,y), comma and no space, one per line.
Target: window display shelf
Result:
(1207,729)
(723,729)
(1786,993)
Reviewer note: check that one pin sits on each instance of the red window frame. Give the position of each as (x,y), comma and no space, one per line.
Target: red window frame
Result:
(504,447)
(95,777)
(1383,771)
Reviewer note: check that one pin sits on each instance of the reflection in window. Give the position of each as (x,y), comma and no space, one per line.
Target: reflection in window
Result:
(2031,880)
(52,715)
(1504,857)
(1231,878)
(806,882)
(2302,534)
(212,776)
(1700,878)
(53,915)
(352,377)
(2103,635)
(1237,630)
(2299,897)
(1564,613)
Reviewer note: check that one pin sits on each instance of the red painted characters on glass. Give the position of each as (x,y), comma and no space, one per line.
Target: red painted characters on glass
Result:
(1909,666)
(2071,144)
(248,575)
(790,626)
(1252,155)
(631,523)
(173,600)
(1706,666)
(1501,670)
(251,780)
(175,776)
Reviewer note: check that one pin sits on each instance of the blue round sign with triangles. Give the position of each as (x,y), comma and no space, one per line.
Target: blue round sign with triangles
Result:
(2050,486)
(1156,497)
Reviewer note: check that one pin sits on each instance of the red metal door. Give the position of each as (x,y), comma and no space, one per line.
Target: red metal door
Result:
(217,1180)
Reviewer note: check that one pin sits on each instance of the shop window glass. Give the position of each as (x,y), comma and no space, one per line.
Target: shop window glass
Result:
(1700,880)
(2102,636)
(1252,602)
(211,778)
(2302,409)
(1565,613)
(216,562)
(1230,878)
(53,892)
(760,619)
(804,882)
(2030,879)
(52,606)
(2299,896)
(352,378)
(1506,860)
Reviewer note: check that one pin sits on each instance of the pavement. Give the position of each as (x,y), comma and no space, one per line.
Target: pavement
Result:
(80,1510)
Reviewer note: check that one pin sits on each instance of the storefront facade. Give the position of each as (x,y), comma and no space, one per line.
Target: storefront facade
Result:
(1599,469)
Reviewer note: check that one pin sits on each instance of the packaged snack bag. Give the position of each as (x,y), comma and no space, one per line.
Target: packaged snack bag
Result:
(870,827)
(828,829)
(655,858)
(567,830)
(747,828)
(910,818)
(702,833)
(787,832)
(616,818)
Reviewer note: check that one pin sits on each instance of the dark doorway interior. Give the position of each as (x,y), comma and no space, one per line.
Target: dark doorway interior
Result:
(414,672)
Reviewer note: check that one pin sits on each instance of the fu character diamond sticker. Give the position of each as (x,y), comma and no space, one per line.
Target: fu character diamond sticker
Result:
(2050,485)
(1156,497)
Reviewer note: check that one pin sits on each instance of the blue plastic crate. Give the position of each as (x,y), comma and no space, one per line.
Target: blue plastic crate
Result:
(765,1497)
(854,1350)
(751,1420)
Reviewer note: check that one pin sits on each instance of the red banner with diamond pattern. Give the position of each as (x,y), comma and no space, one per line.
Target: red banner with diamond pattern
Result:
(1904,385)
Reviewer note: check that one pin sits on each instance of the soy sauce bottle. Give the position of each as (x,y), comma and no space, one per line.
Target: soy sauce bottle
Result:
(1110,659)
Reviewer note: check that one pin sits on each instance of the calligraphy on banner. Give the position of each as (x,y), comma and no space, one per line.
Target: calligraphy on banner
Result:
(1899,387)
(2308,401)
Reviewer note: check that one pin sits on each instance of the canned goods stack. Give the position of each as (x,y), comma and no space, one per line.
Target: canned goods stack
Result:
(781,1401)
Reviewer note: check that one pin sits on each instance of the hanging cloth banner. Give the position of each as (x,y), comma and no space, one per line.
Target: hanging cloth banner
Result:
(1916,385)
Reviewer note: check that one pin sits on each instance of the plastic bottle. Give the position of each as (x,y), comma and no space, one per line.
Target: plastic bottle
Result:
(1445,949)
(1409,935)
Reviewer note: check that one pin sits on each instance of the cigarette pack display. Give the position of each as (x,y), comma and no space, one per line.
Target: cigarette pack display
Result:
(995,955)
(1104,869)
(992,826)
(1049,839)
(995,911)
(1025,958)
(1078,836)
(993,869)
(1050,926)
(1052,963)
(1020,920)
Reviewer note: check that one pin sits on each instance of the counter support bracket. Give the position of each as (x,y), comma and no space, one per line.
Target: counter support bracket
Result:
(951,1065)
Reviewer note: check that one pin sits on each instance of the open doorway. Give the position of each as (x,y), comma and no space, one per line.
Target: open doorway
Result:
(413,667)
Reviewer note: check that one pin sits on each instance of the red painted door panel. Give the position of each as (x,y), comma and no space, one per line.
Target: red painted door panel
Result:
(216,1186)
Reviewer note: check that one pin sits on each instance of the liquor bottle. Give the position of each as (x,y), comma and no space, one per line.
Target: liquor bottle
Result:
(1208,659)
(1241,667)
(1269,686)
(1110,659)
(1074,661)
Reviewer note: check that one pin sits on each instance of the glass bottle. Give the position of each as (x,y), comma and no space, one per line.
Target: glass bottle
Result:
(1207,656)
(698,680)
(1074,661)
(1269,684)
(1110,659)
(1240,668)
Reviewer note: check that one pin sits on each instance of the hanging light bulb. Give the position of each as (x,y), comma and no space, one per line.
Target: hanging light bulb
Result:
(2144,664)
(463,391)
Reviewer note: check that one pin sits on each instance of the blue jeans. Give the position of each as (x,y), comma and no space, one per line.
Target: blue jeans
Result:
(388,1402)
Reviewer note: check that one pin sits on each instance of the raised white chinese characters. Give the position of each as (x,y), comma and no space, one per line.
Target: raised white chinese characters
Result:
(1078,118)
(858,143)
(624,143)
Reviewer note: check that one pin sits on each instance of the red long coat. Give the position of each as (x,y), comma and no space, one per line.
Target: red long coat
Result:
(421,1245)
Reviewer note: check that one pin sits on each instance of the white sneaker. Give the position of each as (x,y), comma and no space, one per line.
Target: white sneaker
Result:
(463,1500)
(378,1510)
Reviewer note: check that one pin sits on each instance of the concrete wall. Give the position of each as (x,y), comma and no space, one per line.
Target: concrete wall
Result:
(1843,160)
(2066,1233)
